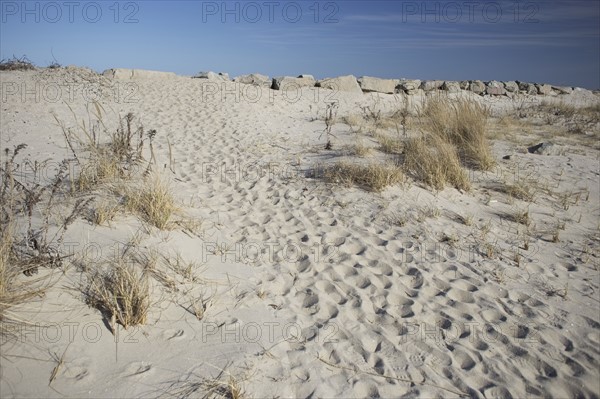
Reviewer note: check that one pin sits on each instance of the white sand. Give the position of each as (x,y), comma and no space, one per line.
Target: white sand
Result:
(350,305)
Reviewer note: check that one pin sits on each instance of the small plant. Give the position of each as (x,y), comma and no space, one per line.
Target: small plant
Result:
(434,161)
(154,201)
(450,239)
(522,190)
(556,235)
(389,145)
(104,213)
(16,64)
(490,250)
(430,211)
(360,149)
(462,123)
(521,217)
(517,258)
(121,293)
(396,219)
(467,219)
(199,306)
(182,267)
(330,120)
(374,177)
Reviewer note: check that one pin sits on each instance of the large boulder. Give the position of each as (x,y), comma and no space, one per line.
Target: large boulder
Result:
(477,87)
(543,89)
(495,88)
(346,83)
(126,74)
(369,84)
(254,79)
(451,86)
(282,82)
(563,89)
(528,88)
(511,86)
(429,85)
(408,84)
(212,76)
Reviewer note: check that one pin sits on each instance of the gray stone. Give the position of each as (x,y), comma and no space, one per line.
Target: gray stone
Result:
(288,81)
(254,79)
(369,84)
(306,77)
(524,86)
(408,84)
(495,83)
(543,89)
(451,87)
(495,91)
(563,89)
(212,76)
(429,85)
(544,149)
(346,83)
(528,88)
(477,87)
(511,86)
(495,88)
(464,85)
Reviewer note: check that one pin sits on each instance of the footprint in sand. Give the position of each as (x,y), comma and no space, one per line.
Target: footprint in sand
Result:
(136,368)
(169,335)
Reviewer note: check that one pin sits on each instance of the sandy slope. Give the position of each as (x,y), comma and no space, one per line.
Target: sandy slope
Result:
(339,301)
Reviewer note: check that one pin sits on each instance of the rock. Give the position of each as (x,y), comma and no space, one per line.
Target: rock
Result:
(477,87)
(254,79)
(495,91)
(464,85)
(563,89)
(507,157)
(212,76)
(121,73)
(429,85)
(511,87)
(543,89)
(343,83)
(544,149)
(369,84)
(451,87)
(306,77)
(495,88)
(408,84)
(288,81)
(528,88)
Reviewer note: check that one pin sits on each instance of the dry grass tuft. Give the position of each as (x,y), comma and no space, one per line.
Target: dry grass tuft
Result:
(389,144)
(154,201)
(121,293)
(462,123)
(360,149)
(16,64)
(435,162)
(374,177)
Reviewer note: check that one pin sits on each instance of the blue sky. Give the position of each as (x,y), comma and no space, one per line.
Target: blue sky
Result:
(542,41)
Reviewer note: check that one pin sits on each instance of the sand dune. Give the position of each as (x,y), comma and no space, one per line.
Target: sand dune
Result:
(317,289)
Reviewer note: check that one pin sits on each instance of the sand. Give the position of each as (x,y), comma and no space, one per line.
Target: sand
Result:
(315,290)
